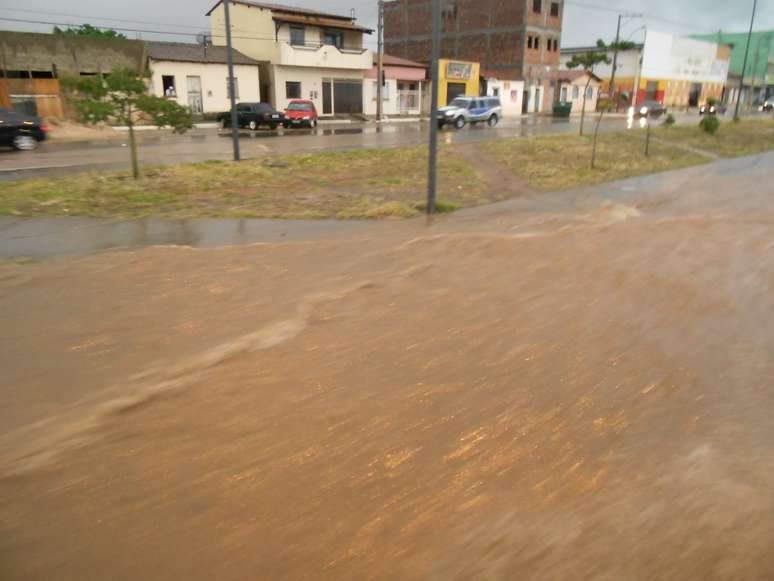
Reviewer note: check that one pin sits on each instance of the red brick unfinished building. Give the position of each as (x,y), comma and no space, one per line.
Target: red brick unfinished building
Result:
(512,39)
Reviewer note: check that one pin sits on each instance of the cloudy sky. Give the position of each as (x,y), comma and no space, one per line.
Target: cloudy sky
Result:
(584,20)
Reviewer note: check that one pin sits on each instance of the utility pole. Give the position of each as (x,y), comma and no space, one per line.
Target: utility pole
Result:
(744,64)
(615,54)
(380,61)
(433,153)
(615,60)
(231,87)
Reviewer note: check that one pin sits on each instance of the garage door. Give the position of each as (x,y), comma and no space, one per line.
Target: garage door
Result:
(454,90)
(347,97)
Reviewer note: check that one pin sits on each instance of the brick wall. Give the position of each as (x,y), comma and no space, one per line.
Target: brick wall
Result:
(490,32)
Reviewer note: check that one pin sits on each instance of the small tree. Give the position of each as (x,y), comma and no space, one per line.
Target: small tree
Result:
(121,96)
(587,61)
(88,30)
(614,46)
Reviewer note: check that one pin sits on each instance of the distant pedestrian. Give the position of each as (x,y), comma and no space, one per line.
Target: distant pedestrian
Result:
(170,92)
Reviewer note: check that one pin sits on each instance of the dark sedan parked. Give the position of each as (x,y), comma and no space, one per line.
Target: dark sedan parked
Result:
(253,115)
(21,131)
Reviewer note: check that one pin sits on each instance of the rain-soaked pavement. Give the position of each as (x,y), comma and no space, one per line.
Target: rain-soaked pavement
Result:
(566,386)
(202,145)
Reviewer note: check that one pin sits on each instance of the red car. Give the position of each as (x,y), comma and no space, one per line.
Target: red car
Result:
(300,113)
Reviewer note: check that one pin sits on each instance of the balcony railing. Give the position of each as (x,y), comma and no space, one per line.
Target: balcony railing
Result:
(324,55)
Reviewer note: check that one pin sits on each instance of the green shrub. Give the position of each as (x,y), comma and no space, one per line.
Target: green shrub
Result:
(710,124)
(712,101)
(669,120)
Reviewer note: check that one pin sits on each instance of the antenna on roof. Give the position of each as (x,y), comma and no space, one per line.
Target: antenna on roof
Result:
(204,39)
(352,14)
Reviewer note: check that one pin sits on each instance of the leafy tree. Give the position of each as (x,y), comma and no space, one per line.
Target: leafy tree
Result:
(88,30)
(587,61)
(120,97)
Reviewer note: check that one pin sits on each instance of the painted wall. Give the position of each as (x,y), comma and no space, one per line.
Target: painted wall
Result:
(311,83)
(573,92)
(511,95)
(252,31)
(391,97)
(471,82)
(213,79)
(682,59)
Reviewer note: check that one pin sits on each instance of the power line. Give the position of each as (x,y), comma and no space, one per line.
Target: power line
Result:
(647,16)
(107,18)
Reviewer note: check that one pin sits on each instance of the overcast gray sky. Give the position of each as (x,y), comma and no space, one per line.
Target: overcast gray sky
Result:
(584,20)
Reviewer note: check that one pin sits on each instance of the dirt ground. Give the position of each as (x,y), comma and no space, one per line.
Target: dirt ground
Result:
(570,386)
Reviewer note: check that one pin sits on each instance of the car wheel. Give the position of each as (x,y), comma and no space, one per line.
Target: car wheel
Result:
(272,126)
(492,121)
(25,142)
(459,122)
(252,126)
(313,123)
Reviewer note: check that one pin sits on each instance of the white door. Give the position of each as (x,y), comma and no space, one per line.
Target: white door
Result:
(194,86)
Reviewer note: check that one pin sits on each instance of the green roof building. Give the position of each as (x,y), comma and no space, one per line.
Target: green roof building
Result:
(759,73)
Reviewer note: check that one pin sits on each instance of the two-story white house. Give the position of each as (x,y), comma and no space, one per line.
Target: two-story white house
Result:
(303,54)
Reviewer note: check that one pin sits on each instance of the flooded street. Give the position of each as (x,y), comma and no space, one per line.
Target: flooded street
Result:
(562,386)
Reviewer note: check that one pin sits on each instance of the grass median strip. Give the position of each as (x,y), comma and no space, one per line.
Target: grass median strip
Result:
(747,137)
(560,162)
(364,183)
(374,183)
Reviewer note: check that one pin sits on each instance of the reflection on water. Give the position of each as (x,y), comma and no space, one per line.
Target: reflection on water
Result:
(38,237)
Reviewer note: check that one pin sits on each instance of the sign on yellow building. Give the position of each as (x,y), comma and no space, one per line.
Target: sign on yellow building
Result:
(456,78)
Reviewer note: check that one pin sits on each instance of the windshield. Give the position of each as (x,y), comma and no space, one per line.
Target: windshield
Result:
(462,103)
(300,107)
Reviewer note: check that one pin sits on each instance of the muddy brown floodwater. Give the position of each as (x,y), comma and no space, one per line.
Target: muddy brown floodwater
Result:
(573,386)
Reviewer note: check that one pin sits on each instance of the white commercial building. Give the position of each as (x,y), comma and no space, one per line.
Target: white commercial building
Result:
(197,76)
(304,54)
(677,71)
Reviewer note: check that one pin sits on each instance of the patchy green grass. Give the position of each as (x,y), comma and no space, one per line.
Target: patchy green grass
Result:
(732,139)
(365,183)
(559,162)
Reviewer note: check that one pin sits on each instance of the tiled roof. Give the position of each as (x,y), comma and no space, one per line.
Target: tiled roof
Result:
(194,53)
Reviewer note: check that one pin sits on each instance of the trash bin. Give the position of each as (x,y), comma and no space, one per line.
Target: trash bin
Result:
(562,109)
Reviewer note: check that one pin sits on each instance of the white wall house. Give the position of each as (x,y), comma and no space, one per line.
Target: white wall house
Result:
(197,76)
(572,86)
(511,95)
(402,92)
(304,54)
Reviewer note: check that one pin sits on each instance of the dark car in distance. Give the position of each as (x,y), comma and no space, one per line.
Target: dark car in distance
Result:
(649,109)
(253,116)
(711,108)
(21,131)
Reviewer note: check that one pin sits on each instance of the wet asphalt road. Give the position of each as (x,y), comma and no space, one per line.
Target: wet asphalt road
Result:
(202,145)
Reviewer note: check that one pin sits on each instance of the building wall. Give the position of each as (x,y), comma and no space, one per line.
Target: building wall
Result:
(577,99)
(390,97)
(311,80)
(214,79)
(760,56)
(511,94)
(253,32)
(491,32)
(471,83)
(47,57)
(66,56)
